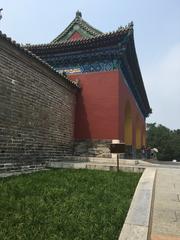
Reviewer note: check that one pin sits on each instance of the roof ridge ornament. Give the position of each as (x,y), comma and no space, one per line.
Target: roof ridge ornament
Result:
(78,14)
(120,28)
(131,24)
(126,27)
(1,13)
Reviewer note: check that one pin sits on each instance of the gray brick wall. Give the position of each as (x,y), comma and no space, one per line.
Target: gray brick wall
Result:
(36,109)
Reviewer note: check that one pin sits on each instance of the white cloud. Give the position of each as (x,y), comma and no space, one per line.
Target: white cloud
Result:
(162,81)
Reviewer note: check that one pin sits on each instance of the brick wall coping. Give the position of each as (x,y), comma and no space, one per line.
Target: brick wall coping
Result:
(35,58)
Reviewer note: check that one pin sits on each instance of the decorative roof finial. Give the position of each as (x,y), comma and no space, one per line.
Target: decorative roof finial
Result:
(1,13)
(131,24)
(78,14)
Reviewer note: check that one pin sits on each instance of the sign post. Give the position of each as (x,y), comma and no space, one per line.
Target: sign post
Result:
(117,148)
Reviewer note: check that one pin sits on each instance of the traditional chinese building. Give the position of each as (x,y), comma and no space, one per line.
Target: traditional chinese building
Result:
(112,103)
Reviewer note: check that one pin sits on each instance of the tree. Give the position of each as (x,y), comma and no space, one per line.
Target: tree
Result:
(165,140)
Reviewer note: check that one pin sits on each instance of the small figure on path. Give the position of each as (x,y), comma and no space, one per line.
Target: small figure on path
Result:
(143,152)
(154,152)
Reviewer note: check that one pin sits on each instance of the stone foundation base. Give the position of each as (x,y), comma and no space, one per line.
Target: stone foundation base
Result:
(101,148)
(92,148)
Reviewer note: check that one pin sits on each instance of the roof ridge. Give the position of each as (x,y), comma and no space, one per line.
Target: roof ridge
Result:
(30,54)
(79,20)
(121,30)
(65,31)
(90,26)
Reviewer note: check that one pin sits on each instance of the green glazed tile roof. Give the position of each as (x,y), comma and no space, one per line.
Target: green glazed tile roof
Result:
(95,41)
(77,25)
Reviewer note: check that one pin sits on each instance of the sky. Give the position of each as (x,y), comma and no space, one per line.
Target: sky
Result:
(156,33)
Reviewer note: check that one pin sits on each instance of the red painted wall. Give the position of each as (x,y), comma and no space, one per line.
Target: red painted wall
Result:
(97,112)
(101,106)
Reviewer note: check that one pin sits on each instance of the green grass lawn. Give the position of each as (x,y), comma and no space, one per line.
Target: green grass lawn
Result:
(65,205)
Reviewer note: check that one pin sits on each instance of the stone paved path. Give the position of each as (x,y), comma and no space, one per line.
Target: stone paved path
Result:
(166,209)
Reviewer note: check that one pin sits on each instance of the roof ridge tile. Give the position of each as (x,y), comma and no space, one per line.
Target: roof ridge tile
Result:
(30,54)
(119,31)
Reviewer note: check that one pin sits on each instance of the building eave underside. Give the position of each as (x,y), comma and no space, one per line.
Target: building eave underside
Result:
(133,61)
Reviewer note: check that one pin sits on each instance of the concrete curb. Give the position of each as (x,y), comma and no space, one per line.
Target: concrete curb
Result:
(137,223)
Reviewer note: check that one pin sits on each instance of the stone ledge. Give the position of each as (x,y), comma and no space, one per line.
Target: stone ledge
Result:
(66,165)
(93,165)
(137,222)
(17,173)
(98,160)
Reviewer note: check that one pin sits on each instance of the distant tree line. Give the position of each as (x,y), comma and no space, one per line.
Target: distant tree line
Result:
(165,140)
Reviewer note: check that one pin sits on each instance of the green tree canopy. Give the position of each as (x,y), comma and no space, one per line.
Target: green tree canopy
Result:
(165,140)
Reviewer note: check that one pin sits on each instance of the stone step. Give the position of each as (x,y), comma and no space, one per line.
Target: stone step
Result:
(98,160)
(108,167)
(97,166)
(114,161)
(12,167)
(16,173)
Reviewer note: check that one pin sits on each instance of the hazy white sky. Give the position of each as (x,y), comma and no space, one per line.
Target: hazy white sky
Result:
(157,38)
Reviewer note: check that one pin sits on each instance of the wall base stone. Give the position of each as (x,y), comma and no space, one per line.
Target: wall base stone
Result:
(92,148)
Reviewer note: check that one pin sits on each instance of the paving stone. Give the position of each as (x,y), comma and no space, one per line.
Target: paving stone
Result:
(166,210)
(131,232)
(164,237)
